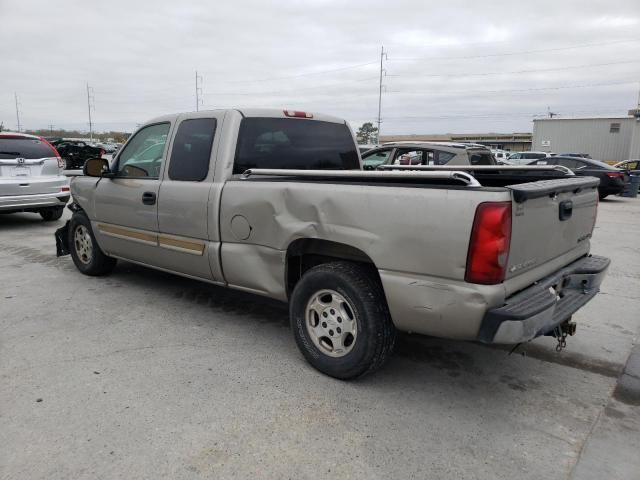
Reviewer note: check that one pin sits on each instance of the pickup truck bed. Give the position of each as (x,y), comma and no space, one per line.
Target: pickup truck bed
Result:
(357,254)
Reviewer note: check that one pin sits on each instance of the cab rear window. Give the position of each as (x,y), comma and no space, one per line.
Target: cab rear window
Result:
(480,159)
(28,148)
(294,143)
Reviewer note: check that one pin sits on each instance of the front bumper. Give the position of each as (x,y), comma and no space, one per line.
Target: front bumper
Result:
(546,304)
(16,203)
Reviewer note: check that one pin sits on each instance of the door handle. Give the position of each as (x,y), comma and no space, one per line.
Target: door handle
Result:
(149,198)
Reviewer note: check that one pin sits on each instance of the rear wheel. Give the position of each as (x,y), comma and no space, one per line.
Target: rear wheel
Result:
(84,249)
(340,320)
(51,213)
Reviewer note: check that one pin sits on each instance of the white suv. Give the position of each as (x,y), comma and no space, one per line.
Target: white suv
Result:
(31,178)
(524,158)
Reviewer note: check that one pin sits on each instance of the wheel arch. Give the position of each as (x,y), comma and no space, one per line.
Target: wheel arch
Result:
(305,253)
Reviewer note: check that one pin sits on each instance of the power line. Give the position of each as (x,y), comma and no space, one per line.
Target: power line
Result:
(300,75)
(517,72)
(521,90)
(521,52)
(501,115)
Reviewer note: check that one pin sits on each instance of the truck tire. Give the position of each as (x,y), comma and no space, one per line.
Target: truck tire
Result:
(52,213)
(84,249)
(340,320)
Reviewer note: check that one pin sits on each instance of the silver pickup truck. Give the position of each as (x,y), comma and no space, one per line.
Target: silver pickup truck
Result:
(276,203)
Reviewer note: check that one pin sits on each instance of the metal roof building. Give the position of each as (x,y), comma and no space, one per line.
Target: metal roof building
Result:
(604,138)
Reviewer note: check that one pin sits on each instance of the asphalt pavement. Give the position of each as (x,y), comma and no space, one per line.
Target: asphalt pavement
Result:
(142,374)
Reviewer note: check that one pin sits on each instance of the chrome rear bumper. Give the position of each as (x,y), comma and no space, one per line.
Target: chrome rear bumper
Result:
(14,203)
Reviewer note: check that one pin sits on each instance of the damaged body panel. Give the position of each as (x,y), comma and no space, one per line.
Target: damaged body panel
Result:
(258,200)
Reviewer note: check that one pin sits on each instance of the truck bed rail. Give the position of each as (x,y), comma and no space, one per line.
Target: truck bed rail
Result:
(478,168)
(446,174)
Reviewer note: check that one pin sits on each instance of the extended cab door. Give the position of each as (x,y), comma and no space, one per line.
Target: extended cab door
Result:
(183,200)
(126,207)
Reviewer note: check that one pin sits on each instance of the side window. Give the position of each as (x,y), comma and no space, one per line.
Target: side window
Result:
(480,159)
(515,156)
(142,157)
(442,158)
(192,150)
(569,163)
(376,159)
(407,156)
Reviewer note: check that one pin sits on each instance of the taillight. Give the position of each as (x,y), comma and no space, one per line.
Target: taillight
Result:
(615,174)
(298,114)
(65,189)
(55,152)
(489,245)
(102,152)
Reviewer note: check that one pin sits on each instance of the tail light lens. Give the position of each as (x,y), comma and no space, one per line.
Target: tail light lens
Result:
(615,174)
(55,152)
(489,245)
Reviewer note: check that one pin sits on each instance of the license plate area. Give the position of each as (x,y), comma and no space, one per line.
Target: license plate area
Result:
(21,172)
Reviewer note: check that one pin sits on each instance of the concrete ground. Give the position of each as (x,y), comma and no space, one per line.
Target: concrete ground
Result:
(146,375)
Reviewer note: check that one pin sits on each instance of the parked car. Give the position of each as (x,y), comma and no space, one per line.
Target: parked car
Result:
(74,153)
(366,148)
(427,153)
(612,179)
(630,166)
(31,177)
(275,203)
(582,155)
(523,158)
(502,157)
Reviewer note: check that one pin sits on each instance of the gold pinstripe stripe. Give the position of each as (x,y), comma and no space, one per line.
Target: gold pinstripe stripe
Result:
(183,244)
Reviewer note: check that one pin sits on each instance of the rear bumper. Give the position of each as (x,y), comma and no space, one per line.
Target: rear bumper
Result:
(542,307)
(16,203)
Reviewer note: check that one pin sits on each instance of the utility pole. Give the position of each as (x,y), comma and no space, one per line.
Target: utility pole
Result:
(51,129)
(15,94)
(90,98)
(383,55)
(198,91)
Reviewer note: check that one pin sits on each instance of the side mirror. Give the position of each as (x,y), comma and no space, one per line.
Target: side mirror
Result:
(95,167)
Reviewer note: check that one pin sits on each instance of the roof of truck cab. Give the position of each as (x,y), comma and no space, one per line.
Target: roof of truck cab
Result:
(249,112)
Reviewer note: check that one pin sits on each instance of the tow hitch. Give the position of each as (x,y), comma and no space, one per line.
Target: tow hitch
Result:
(561,332)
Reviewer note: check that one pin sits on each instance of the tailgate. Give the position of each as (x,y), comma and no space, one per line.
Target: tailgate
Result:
(28,176)
(550,218)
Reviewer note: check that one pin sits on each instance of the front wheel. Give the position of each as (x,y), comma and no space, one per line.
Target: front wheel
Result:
(84,249)
(340,320)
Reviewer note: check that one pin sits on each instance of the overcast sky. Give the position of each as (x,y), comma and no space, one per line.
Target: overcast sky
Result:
(454,66)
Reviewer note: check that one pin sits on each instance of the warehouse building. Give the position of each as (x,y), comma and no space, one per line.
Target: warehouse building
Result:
(611,139)
(514,142)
